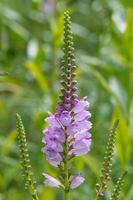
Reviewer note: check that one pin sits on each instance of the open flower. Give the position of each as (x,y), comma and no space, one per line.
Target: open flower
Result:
(51,181)
(61,126)
(76,181)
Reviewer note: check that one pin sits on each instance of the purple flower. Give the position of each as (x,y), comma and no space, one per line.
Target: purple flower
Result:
(52,151)
(85,124)
(83,134)
(63,125)
(64,118)
(51,181)
(68,131)
(81,147)
(54,134)
(72,129)
(82,116)
(55,161)
(52,121)
(52,147)
(76,181)
(81,105)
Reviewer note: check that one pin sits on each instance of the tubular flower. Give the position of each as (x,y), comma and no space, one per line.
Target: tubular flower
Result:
(67,134)
(51,181)
(77,179)
(62,127)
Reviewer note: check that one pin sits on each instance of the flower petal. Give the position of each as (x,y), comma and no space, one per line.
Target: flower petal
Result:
(83,134)
(76,180)
(55,161)
(52,121)
(64,118)
(80,106)
(81,147)
(82,115)
(51,181)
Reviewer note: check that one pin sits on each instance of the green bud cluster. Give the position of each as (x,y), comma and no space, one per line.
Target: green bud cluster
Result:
(68,66)
(107,163)
(24,157)
(117,189)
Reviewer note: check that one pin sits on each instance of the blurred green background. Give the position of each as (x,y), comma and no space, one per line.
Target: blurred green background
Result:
(30,43)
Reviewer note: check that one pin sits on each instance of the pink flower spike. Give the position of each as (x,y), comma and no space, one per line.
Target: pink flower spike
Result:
(76,181)
(51,181)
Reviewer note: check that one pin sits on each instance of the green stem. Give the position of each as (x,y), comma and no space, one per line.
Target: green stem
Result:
(35,197)
(67,195)
(66,171)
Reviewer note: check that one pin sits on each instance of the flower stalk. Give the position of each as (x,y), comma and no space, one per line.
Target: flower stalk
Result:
(117,189)
(66,171)
(67,195)
(107,163)
(67,134)
(25,160)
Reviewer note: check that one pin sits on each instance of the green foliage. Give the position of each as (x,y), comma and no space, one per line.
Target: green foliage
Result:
(123,139)
(3,74)
(25,161)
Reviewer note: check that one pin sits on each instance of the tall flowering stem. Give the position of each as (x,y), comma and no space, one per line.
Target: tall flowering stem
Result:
(107,163)
(67,134)
(67,97)
(25,160)
(118,186)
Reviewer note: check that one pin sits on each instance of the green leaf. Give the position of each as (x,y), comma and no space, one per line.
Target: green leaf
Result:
(8,142)
(123,140)
(104,83)
(38,75)
(92,163)
(128,36)
(47,194)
